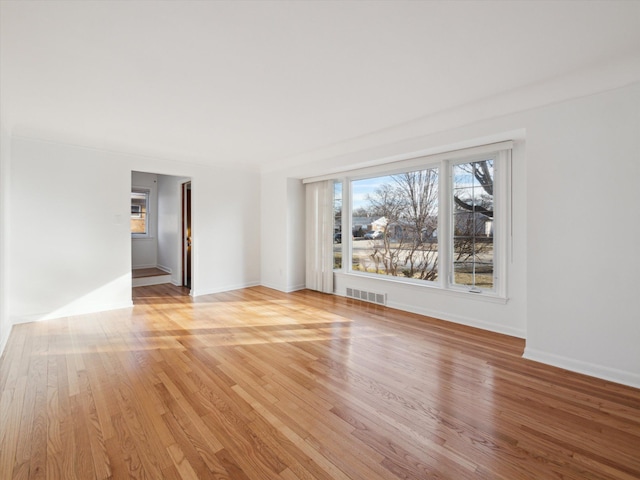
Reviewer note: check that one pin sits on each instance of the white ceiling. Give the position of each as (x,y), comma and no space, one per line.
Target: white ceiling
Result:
(258,82)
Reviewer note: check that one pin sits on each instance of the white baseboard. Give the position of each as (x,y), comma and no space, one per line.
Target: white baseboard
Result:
(164,269)
(279,288)
(226,288)
(138,267)
(623,377)
(273,286)
(469,322)
(147,281)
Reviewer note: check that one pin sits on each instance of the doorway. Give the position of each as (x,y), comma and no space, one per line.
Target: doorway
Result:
(158,250)
(187,245)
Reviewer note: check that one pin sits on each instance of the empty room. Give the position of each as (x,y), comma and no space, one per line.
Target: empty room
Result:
(305,239)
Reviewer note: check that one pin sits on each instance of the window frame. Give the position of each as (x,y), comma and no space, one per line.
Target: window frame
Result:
(339,226)
(147,193)
(444,163)
(501,204)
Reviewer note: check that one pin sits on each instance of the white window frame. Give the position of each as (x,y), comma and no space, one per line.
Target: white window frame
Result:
(147,193)
(342,224)
(501,205)
(501,153)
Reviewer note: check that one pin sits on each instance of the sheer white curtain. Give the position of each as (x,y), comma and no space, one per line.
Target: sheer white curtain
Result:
(319,233)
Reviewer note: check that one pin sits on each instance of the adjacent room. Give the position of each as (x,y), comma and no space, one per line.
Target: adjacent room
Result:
(319,240)
(160,230)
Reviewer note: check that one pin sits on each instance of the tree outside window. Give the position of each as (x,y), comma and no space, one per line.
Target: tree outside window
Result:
(402,234)
(473,252)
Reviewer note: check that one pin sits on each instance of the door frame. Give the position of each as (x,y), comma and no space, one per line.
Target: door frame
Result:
(186,235)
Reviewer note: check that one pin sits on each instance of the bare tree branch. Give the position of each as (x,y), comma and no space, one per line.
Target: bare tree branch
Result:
(473,208)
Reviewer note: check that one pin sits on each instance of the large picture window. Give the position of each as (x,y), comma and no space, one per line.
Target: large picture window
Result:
(395,222)
(439,221)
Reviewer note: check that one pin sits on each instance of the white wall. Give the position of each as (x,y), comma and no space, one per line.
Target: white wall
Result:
(225,225)
(169,225)
(572,280)
(275,232)
(583,265)
(70,235)
(282,218)
(68,231)
(295,237)
(144,251)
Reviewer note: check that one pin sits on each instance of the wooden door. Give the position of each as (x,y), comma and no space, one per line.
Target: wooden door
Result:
(187,244)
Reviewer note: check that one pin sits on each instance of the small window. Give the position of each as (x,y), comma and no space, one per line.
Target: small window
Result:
(139,213)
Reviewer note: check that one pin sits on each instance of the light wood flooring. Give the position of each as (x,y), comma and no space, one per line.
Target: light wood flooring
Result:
(257,384)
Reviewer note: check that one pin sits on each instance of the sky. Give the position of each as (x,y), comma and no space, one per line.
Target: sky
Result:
(360,189)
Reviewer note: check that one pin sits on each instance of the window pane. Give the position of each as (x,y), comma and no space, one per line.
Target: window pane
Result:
(473,252)
(395,223)
(139,202)
(337,225)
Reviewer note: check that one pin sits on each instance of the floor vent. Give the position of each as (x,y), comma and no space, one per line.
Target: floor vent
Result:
(379,298)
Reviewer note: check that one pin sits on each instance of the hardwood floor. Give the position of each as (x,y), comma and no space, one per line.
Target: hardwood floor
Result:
(256,384)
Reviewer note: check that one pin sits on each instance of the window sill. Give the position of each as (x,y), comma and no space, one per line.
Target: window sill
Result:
(434,287)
